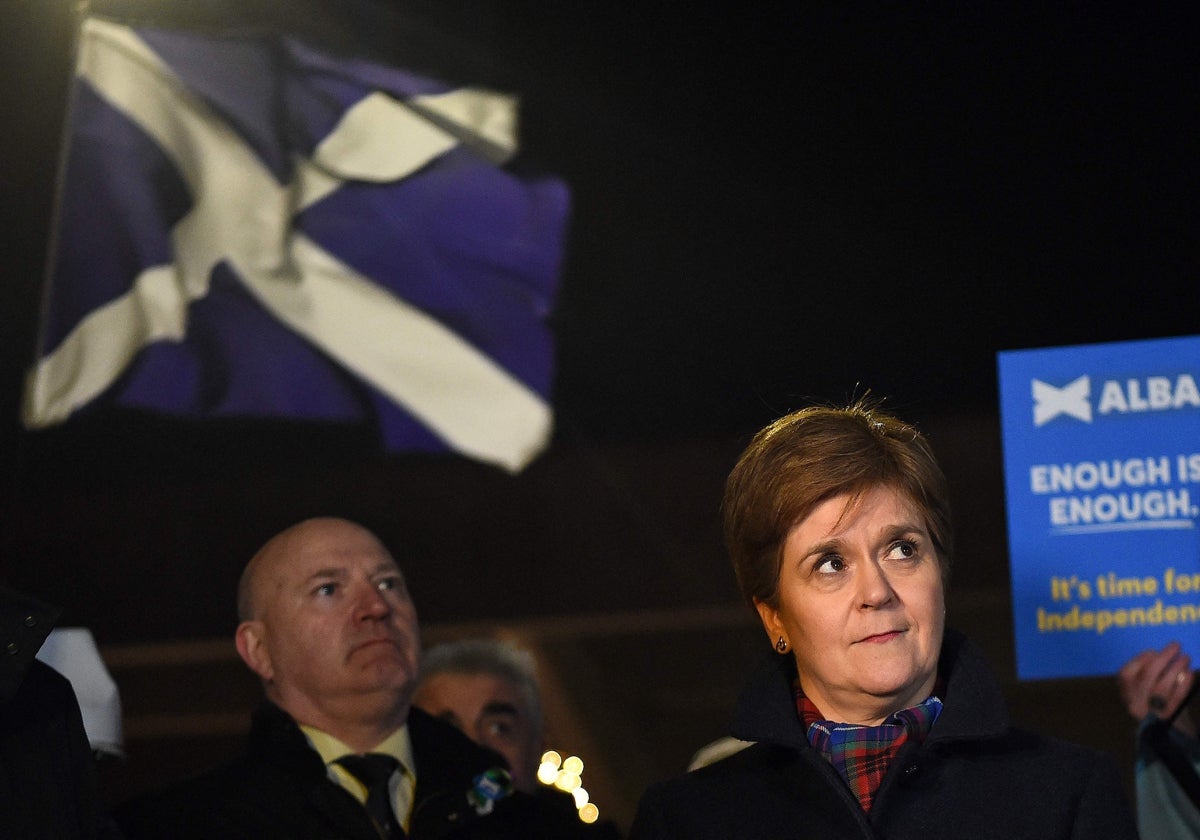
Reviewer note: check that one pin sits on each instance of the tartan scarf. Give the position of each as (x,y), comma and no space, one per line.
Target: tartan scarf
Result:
(862,754)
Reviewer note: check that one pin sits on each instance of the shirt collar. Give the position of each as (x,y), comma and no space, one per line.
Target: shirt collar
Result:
(398,745)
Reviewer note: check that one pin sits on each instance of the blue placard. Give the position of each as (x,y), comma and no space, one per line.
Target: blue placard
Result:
(1102,476)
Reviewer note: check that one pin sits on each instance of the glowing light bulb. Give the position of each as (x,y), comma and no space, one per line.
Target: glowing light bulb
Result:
(547,773)
(565,774)
(581,797)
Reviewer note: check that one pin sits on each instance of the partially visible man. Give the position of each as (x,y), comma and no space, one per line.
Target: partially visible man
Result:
(1157,687)
(47,773)
(327,623)
(488,689)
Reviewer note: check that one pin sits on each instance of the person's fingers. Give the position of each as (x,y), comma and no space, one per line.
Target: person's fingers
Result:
(1161,663)
(1131,682)
(1134,666)
(1178,683)
(1171,685)
(1155,681)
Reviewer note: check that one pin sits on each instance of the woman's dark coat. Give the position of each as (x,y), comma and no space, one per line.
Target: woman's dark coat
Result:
(974,777)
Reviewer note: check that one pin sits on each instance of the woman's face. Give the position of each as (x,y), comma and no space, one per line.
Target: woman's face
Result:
(862,606)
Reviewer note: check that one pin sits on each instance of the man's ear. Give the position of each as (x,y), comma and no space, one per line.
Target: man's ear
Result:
(252,647)
(771,622)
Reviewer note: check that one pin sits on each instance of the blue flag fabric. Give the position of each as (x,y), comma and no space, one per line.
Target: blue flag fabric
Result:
(251,227)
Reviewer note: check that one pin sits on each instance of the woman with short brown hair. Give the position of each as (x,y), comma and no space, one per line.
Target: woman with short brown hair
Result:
(873,720)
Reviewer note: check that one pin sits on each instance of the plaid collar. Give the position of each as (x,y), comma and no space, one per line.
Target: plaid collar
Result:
(862,754)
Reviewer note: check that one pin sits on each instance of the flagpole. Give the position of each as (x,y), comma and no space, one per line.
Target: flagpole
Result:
(80,12)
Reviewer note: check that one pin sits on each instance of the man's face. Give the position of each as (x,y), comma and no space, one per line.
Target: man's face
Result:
(338,630)
(489,710)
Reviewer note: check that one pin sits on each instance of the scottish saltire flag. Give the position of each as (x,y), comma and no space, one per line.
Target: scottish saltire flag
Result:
(249,226)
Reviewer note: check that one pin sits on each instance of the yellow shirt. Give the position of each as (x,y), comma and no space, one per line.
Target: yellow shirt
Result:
(403,783)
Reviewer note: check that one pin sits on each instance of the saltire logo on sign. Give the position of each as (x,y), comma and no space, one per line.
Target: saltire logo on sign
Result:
(251,227)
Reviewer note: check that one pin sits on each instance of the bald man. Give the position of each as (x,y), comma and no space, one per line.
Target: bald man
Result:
(327,624)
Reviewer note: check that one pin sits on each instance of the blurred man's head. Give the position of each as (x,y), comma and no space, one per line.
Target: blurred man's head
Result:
(487,688)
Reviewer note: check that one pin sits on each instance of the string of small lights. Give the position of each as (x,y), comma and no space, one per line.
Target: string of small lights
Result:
(567,775)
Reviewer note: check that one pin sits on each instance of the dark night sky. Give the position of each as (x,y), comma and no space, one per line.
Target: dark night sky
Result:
(881,199)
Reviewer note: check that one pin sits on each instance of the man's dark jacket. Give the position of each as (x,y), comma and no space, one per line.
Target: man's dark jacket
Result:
(974,777)
(280,789)
(47,781)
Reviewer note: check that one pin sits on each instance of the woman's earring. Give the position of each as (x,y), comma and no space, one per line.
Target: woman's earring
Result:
(781,645)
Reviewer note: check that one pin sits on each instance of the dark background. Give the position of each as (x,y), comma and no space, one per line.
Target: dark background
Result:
(771,206)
